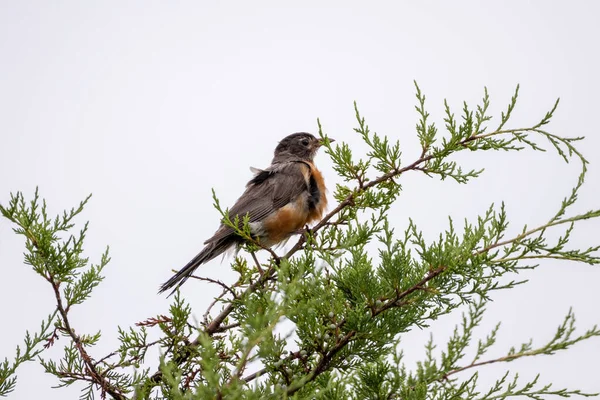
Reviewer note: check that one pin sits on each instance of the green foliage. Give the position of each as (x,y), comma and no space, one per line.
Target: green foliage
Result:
(350,287)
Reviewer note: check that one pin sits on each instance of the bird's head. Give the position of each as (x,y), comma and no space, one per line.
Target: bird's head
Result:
(299,145)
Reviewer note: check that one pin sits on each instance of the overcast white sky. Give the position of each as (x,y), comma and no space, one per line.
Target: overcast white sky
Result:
(148,105)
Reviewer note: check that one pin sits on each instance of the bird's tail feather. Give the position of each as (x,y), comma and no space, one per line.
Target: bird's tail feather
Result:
(209,252)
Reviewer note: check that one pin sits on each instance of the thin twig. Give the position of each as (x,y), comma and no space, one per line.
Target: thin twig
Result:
(212,304)
(254,375)
(260,270)
(216,282)
(97,378)
(525,234)
(496,360)
(224,328)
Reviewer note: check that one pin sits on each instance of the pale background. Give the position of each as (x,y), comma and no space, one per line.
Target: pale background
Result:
(148,105)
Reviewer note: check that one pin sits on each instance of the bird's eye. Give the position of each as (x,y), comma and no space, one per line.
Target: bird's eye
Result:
(304,142)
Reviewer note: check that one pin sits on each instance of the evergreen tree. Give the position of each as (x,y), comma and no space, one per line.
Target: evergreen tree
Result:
(352,285)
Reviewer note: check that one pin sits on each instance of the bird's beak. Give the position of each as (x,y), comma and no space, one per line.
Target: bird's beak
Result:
(321,141)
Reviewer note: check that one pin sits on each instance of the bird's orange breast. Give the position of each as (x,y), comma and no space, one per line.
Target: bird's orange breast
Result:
(285,221)
(303,210)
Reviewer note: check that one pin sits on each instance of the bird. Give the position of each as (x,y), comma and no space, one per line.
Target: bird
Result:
(279,200)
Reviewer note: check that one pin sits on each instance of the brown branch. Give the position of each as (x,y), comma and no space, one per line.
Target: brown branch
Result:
(324,362)
(525,234)
(260,270)
(294,355)
(532,257)
(106,357)
(130,360)
(214,325)
(212,304)
(73,375)
(94,376)
(506,358)
(418,286)
(190,378)
(245,357)
(254,375)
(90,366)
(216,282)
(223,328)
(337,223)
(479,364)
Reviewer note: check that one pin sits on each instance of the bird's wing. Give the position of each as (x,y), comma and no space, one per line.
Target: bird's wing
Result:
(268,191)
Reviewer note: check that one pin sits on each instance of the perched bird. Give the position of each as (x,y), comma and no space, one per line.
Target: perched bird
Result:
(279,201)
